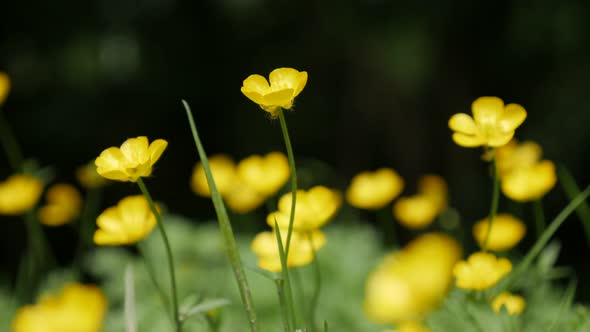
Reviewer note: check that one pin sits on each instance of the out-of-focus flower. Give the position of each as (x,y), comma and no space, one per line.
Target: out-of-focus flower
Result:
(285,85)
(130,221)
(529,183)
(64,203)
(242,198)
(492,124)
(420,210)
(78,308)
(223,169)
(507,231)
(313,209)
(301,252)
(134,159)
(410,283)
(516,155)
(19,193)
(410,326)
(482,270)
(88,177)
(265,174)
(514,304)
(4,87)
(374,190)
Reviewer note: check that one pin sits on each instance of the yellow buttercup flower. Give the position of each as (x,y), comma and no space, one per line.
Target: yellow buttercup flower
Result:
(409,283)
(507,231)
(242,198)
(130,221)
(88,177)
(78,308)
(4,87)
(482,270)
(516,155)
(313,209)
(529,183)
(265,174)
(374,190)
(492,124)
(514,304)
(223,169)
(64,203)
(410,326)
(266,248)
(19,193)
(134,159)
(285,85)
(420,210)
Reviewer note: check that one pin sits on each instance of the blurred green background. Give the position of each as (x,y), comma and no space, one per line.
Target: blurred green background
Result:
(384,78)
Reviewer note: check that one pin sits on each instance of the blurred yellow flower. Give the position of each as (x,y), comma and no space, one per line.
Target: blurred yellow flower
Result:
(223,169)
(313,209)
(285,85)
(265,174)
(134,159)
(374,190)
(266,248)
(78,308)
(482,270)
(492,124)
(529,183)
(410,283)
(64,203)
(4,87)
(19,193)
(88,177)
(242,198)
(507,231)
(420,210)
(410,326)
(130,221)
(514,304)
(516,155)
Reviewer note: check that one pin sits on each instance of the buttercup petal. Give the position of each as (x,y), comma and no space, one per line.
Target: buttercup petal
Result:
(468,141)
(284,78)
(156,149)
(500,139)
(111,159)
(256,83)
(463,123)
(513,116)
(301,82)
(282,98)
(254,96)
(487,110)
(136,149)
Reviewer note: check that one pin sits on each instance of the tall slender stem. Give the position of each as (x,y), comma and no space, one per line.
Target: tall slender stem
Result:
(283,305)
(225,226)
(539,217)
(162,229)
(291,157)
(10,144)
(494,204)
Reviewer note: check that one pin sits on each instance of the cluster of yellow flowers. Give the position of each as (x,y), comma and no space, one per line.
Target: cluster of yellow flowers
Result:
(313,209)
(246,185)
(78,308)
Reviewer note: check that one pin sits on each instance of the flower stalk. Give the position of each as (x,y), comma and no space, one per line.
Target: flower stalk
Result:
(494,204)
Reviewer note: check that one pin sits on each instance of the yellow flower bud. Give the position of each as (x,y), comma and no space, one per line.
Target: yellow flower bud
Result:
(265,174)
(64,203)
(514,304)
(492,124)
(507,231)
(134,159)
(19,194)
(130,221)
(482,270)
(374,190)
(285,85)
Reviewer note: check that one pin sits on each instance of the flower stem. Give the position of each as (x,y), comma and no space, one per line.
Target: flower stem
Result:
(10,144)
(225,226)
(291,157)
(289,304)
(318,285)
(539,217)
(282,304)
(162,229)
(494,204)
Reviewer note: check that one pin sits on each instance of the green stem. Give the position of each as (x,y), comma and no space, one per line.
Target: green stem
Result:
(10,144)
(286,279)
(318,284)
(152,274)
(539,217)
(545,237)
(387,225)
(282,304)
(162,229)
(291,157)
(494,204)
(225,226)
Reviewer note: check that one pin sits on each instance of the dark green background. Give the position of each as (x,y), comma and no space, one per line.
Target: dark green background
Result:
(384,78)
